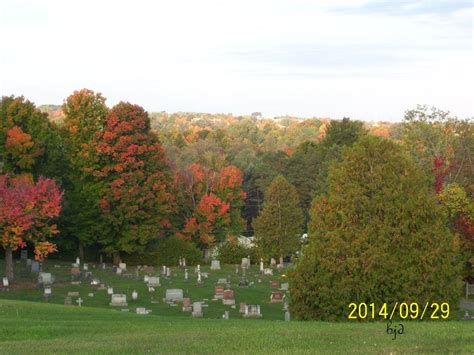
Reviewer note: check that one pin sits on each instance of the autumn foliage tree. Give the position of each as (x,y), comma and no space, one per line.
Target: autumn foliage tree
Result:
(132,178)
(27,210)
(279,226)
(211,201)
(379,235)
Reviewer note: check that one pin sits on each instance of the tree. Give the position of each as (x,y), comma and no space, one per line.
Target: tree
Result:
(211,202)
(132,179)
(26,212)
(379,235)
(85,113)
(29,142)
(279,226)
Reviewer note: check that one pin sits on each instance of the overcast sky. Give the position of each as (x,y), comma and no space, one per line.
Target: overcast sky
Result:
(370,60)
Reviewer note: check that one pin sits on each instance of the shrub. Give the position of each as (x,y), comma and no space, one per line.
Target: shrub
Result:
(379,236)
(231,252)
(170,249)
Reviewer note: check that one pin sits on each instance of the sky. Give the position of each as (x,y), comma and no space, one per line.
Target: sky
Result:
(364,59)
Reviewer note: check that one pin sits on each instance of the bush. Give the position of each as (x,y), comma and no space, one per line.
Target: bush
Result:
(170,249)
(232,252)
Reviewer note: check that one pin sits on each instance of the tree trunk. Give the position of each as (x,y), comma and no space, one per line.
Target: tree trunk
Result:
(81,252)
(9,263)
(116,256)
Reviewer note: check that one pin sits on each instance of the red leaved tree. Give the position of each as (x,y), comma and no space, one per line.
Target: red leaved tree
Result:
(211,200)
(27,210)
(132,179)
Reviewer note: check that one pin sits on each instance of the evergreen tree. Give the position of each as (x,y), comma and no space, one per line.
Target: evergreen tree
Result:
(279,226)
(378,236)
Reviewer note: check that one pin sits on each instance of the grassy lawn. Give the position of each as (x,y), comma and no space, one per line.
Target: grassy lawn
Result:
(30,325)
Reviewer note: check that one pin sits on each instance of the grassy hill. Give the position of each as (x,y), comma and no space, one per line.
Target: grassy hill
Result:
(30,327)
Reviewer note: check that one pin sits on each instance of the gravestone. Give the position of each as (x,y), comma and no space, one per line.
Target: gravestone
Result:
(174,295)
(219,292)
(119,300)
(73,294)
(245,263)
(222,281)
(35,266)
(154,281)
(79,302)
(5,282)
(285,305)
(149,269)
(110,291)
(146,278)
(24,255)
(118,271)
(85,267)
(274,284)
(187,307)
(276,297)
(215,265)
(225,315)
(272,262)
(142,311)
(268,271)
(45,278)
(284,286)
(28,262)
(287,316)
(197,309)
(168,272)
(68,300)
(75,273)
(134,295)
(47,293)
(252,311)
(243,306)
(95,282)
(123,266)
(228,298)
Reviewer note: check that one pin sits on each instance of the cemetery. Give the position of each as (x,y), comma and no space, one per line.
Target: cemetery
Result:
(150,300)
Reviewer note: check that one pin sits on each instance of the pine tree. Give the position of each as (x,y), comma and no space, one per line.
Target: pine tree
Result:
(279,226)
(378,236)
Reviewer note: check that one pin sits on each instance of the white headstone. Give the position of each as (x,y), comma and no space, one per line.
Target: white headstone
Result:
(184,262)
(245,262)
(47,291)
(174,294)
(134,295)
(168,272)
(153,281)
(186,274)
(85,267)
(197,309)
(45,278)
(146,278)
(123,266)
(215,265)
(5,282)
(79,302)
(110,291)
(119,300)
(78,261)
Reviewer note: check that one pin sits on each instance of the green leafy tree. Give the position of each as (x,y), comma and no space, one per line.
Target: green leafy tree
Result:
(279,226)
(379,236)
(84,116)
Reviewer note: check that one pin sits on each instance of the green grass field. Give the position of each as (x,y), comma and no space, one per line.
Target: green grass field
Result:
(30,325)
